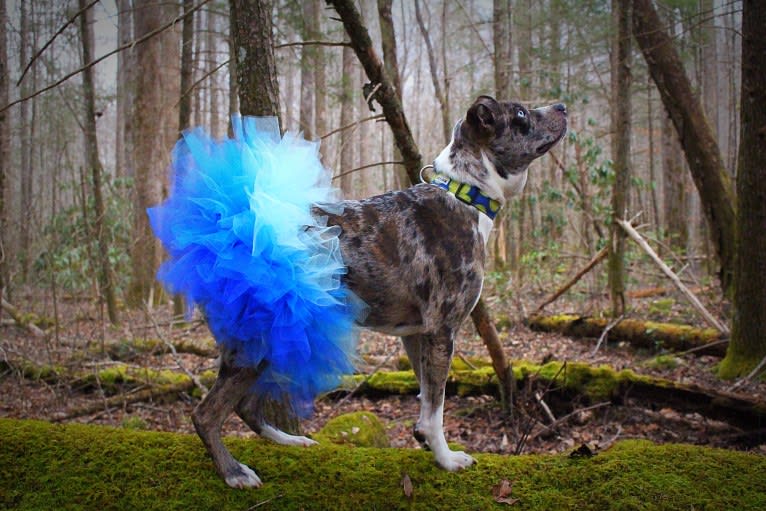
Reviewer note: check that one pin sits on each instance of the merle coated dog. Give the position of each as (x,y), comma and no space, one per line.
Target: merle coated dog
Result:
(416,258)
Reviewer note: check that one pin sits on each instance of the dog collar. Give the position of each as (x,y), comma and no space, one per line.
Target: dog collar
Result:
(470,194)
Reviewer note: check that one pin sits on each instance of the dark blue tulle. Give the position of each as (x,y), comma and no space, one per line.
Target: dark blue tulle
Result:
(245,248)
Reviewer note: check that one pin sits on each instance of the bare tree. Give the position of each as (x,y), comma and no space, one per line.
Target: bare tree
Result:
(347,113)
(125,77)
(5,142)
(446,122)
(620,150)
(748,335)
(27,170)
(694,132)
(91,153)
(156,98)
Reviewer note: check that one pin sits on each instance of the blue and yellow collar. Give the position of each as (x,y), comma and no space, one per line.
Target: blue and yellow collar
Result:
(470,194)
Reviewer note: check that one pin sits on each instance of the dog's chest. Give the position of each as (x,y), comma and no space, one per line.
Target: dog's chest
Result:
(416,257)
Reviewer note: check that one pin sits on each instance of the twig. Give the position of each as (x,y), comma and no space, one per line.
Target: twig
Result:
(39,52)
(105,56)
(263,502)
(545,407)
(175,356)
(312,43)
(603,335)
(528,427)
(757,369)
(16,315)
(355,123)
(466,361)
(562,420)
(367,167)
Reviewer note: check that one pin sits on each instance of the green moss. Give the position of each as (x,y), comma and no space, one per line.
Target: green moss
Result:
(661,306)
(662,362)
(44,466)
(734,365)
(361,429)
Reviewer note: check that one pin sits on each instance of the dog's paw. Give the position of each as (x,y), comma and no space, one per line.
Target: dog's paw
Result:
(280,437)
(243,477)
(455,460)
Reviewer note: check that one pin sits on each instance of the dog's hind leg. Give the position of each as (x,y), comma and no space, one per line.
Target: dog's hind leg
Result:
(435,357)
(250,410)
(230,387)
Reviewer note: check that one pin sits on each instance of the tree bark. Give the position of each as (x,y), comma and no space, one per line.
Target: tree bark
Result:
(320,78)
(346,118)
(5,139)
(308,85)
(156,97)
(748,340)
(125,87)
(253,50)
(446,122)
(27,171)
(91,152)
(621,125)
(694,133)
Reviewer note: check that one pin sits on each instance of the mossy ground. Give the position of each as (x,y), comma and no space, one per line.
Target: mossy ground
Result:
(44,466)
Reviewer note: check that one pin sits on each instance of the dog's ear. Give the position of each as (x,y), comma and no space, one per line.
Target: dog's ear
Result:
(482,117)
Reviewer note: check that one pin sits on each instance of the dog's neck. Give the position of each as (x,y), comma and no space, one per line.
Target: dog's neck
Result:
(472,165)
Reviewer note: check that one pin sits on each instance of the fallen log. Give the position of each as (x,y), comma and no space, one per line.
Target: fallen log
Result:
(594,383)
(27,322)
(641,334)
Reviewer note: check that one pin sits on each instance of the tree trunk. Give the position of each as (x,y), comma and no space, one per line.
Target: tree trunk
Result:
(91,152)
(621,126)
(308,86)
(446,122)
(184,102)
(748,339)
(210,61)
(27,171)
(391,64)
(253,49)
(694,132)
(5,139)
(346,118)
(125,77)
(320,78)
(157,92)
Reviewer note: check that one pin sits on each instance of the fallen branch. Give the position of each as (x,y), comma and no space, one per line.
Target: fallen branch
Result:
(709,318)
(640,334)
(21,321)
(600,256)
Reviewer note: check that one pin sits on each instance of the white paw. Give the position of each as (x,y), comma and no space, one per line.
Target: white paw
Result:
(454,461)
(280,437)
(298,441)
(244,478)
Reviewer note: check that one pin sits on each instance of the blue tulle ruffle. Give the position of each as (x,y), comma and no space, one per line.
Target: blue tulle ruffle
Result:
(245,247)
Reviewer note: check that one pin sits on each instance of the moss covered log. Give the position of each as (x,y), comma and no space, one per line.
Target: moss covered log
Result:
(44,466)
(596,383)
(641,334)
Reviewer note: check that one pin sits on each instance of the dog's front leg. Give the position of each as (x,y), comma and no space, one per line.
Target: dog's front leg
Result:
(435,358)
(230,387)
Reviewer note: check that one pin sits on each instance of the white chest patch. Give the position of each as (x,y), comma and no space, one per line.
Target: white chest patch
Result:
(485,227)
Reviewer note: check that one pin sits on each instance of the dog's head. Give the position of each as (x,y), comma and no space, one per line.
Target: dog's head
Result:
(497,140)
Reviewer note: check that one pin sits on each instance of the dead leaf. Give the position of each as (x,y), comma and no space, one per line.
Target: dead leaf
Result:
(407,486)
(502,492)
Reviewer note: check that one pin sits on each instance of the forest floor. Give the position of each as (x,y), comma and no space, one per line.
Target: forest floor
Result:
(475,422)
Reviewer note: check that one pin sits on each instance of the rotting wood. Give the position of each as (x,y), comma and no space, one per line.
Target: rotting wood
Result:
(597,384)
(21,321)
(635,236)
(641,334)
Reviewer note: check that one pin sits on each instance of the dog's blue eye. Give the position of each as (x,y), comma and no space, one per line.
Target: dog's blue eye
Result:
(520,114)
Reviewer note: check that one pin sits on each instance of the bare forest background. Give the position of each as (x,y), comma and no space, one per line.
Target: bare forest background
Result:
(95,94)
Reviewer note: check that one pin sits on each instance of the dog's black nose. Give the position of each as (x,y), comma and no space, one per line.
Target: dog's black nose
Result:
(561,107)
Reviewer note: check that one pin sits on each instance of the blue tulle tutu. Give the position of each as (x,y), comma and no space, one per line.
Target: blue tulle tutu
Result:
(245,248)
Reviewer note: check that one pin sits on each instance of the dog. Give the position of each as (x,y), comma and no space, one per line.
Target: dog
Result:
(416,259)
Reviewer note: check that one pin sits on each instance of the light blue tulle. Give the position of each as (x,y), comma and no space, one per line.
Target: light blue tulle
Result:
(245,247)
